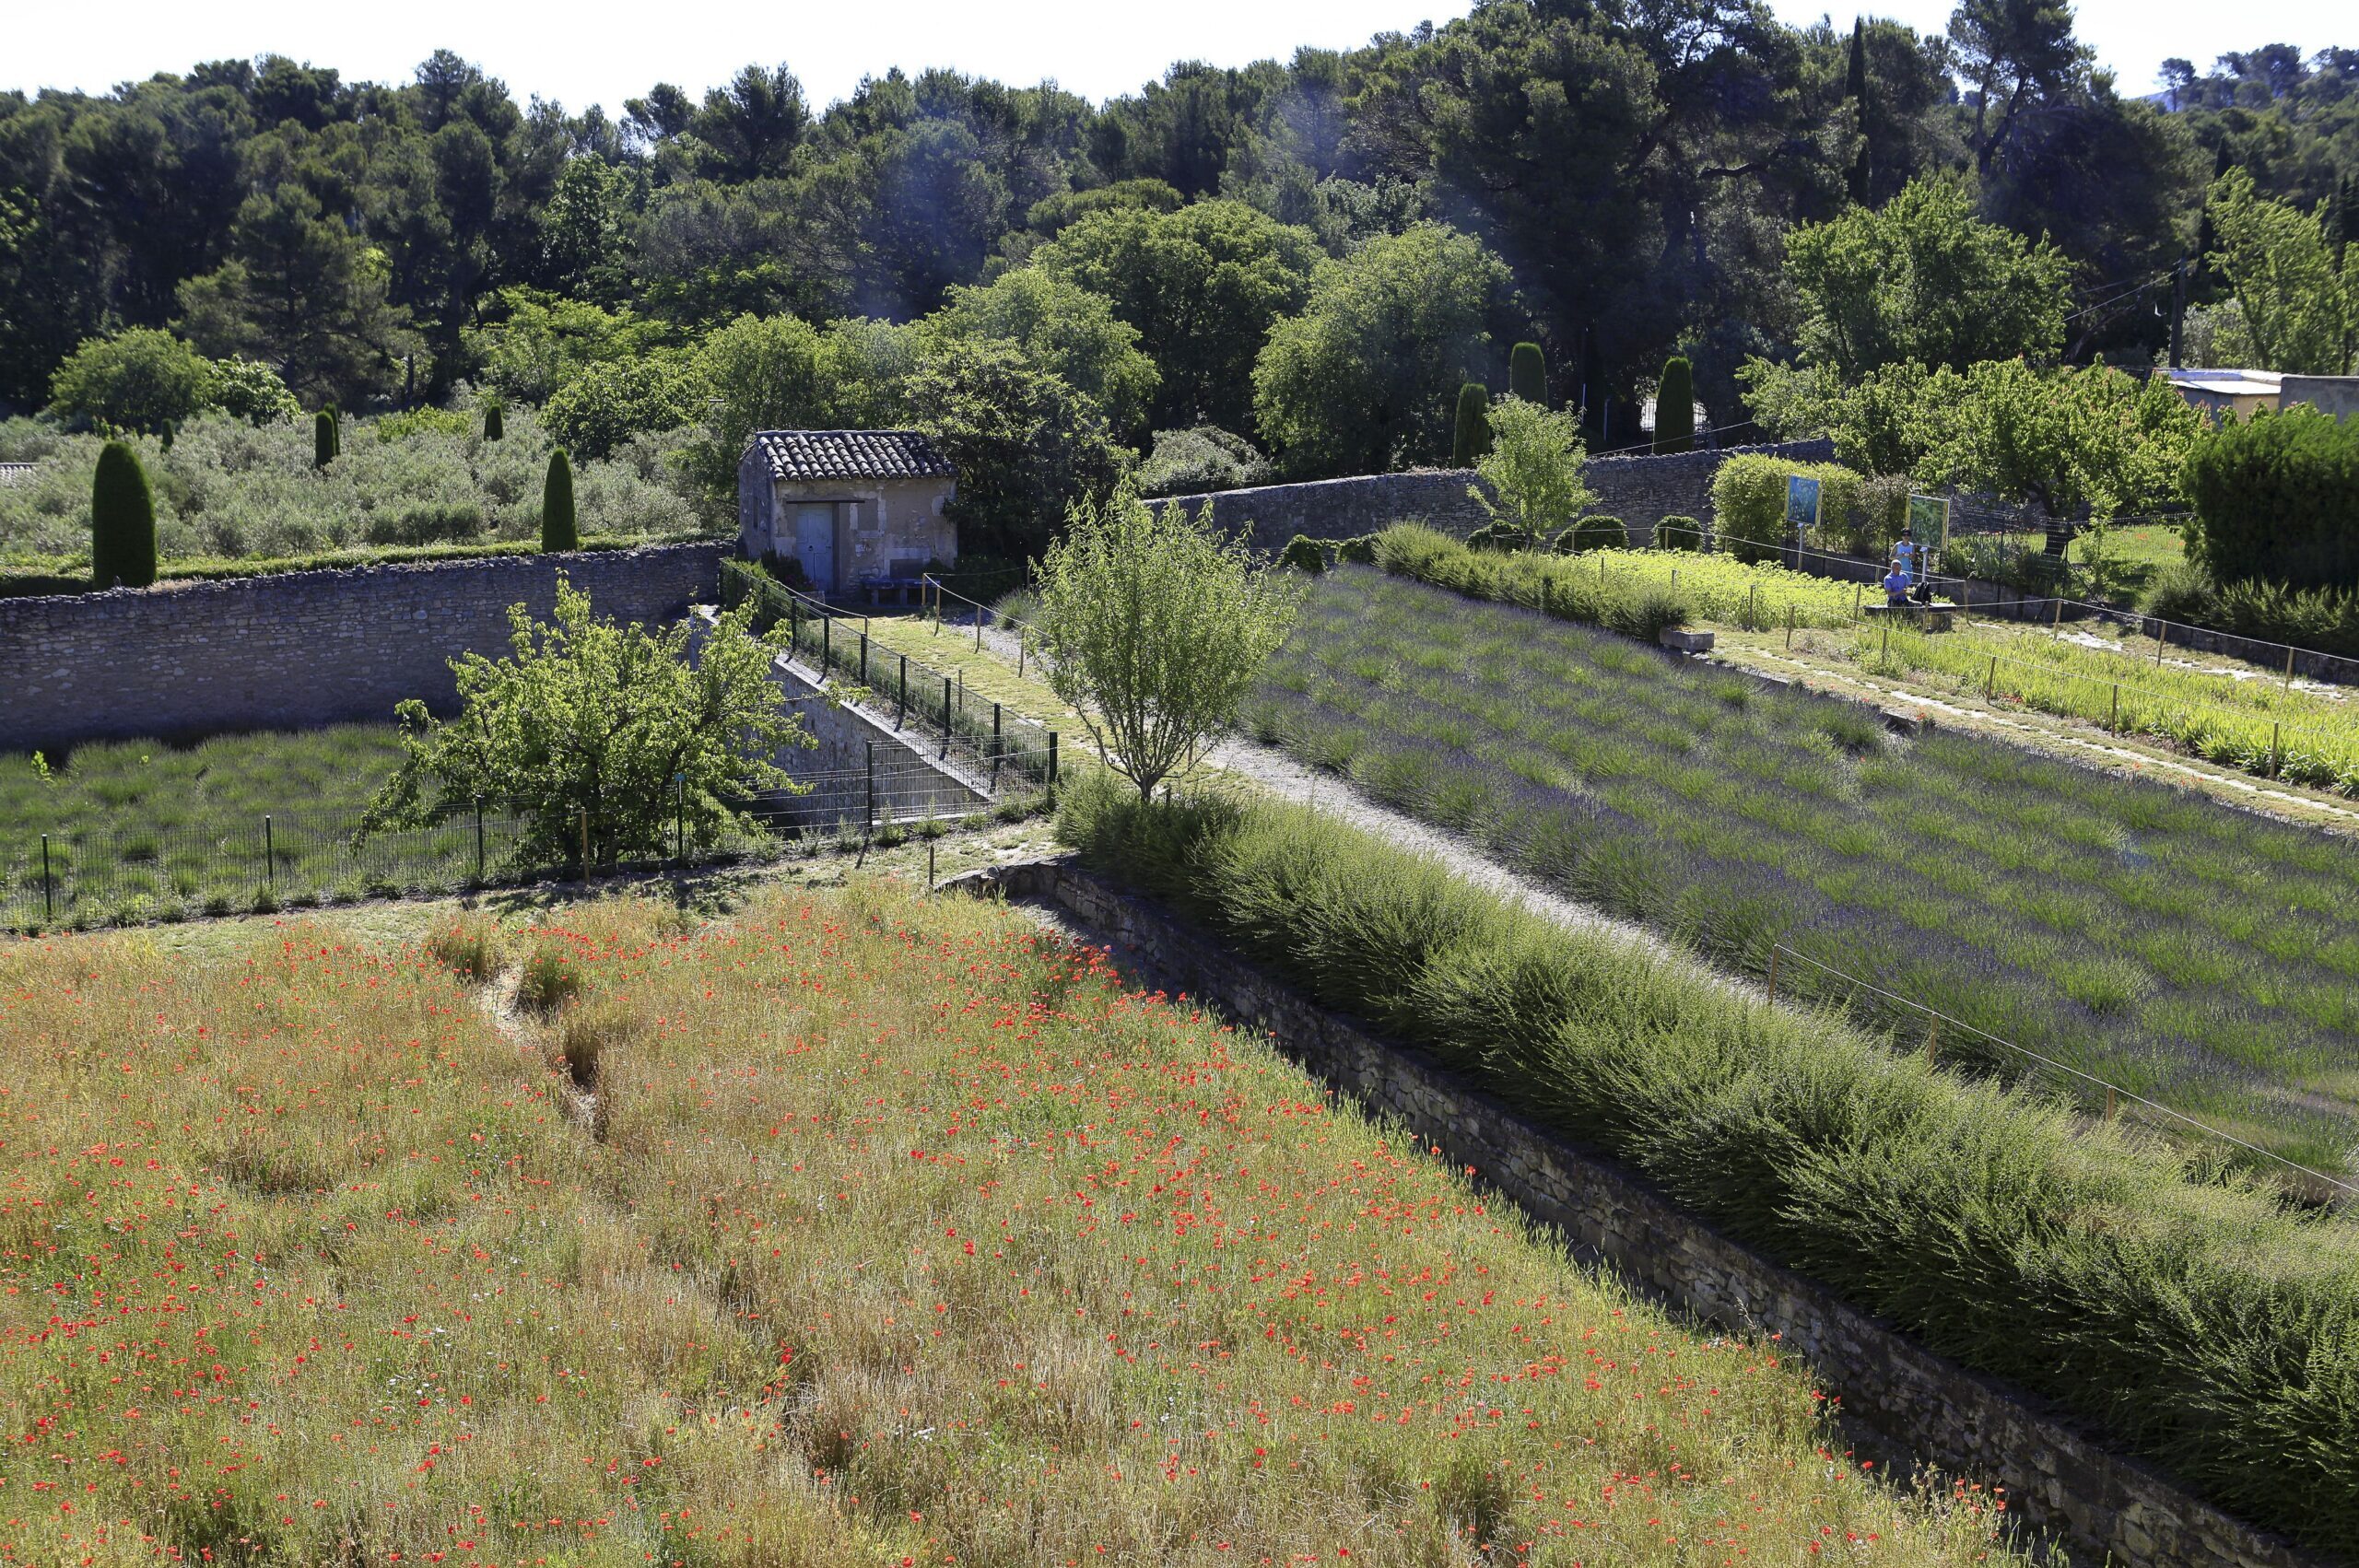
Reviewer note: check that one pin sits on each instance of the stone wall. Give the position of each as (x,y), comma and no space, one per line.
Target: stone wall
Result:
(298,649)
(1906,1404)
(1640,490)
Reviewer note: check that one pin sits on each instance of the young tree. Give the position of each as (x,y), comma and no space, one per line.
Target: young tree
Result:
(557,531)
(140,379)
(584,716)
(1472,437)
(1675,407)
(1527,374)
(123,520)
(1152,626)
(1534,470)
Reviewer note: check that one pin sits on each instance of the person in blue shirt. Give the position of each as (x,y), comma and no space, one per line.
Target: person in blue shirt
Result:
(1906,554)
(1895,585)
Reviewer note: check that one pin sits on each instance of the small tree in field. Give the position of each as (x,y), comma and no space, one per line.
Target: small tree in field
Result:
(1152,623)
(123,520)
(1533,468)
(585,716)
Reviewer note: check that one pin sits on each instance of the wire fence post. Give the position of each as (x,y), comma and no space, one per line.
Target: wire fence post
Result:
(2115,722)
(2276,762)
(946,716)
(1052,756)
(1773,974)
(827,643)
(995,748)
(1990,682)
(478,838)
(2289,669)
(863,658)
(901,714)
(793,626)
(48,901)
(1933,1043)
(1884,653)
(868,820)
(1019,655)
(979,628)
(269,856)
(1789,626)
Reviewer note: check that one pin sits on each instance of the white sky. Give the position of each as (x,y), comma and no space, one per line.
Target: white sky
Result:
(600,52)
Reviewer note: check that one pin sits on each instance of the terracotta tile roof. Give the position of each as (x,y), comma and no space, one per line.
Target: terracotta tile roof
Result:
(852,454)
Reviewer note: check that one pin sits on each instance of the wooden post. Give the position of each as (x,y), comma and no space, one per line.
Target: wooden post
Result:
(2108,1102)
(2114,725)
(929,865)
(1019,655)
(1052,756)
(1934,1044)
(269,855)
(979,628)
(1751,605)
(2276,761)
(48,900)
(1885,652)
(868,822)
(1857,589)
(2059,621)
(1773,974)
(863,658)
(2289,669)
(995,746)
(2162,626)
(1789,625)
(827,643)
(1990,683)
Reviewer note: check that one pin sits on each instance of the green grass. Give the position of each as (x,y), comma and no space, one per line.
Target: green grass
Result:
(2194,1320)
(2204,957)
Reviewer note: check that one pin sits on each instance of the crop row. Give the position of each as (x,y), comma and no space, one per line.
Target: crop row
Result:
(2207,958)
(2196,1321)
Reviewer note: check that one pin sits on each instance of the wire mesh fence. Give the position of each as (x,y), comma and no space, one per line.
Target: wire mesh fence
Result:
(80,876)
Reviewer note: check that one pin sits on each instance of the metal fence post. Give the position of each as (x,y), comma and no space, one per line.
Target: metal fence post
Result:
(979,628)
(1052,756)
(863,658)
(793,626)
(48,901)
(901,713)
(946,716)
(827,643)
(868,822)
(996,747)
(269,856)
(479,837)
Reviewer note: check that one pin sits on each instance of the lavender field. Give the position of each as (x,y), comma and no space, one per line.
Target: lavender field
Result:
(2202,956)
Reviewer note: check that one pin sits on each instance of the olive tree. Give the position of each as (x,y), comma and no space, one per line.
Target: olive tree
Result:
(1152,625)
(588,721)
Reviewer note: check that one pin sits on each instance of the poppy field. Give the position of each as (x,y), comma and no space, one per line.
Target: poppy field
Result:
(855,1227)
(2201,957)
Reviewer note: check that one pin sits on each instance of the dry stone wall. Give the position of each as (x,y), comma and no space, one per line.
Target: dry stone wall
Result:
(1640,490)
(298,649)
(1906,1404)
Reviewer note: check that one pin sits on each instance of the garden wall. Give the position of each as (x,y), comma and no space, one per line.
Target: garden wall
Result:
(1890,1389)
(1638,490)
(298,649)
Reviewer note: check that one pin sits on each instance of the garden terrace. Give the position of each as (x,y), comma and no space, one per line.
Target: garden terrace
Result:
(2203,957)
(857,1227)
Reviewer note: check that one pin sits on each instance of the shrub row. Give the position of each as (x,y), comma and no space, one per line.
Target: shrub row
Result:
(21,584)
(2191,1319)
(1554,584)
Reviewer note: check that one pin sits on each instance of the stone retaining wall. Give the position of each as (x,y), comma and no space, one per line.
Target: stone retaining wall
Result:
(298,649)
(1892,1390)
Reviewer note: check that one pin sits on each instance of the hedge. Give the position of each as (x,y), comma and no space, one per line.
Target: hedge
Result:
(1749,498)
(1554,584)
(39,576)
(2276,499)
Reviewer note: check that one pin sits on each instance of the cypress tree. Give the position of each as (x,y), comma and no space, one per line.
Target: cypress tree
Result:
(1596,396)
(495,423)
(323,439)
(1472,440)
(1855,87)
(1675,407)
(557,505)
(123,520)
(1527,374)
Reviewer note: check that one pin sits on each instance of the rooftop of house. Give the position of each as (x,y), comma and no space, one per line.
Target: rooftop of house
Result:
(2225,383)
(852,454)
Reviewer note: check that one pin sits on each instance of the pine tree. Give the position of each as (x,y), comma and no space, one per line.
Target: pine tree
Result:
(1527,374)
(557,505)
(1472,440)
(323,439)
(1675,407)
(495,423)
(123,520)
(1855,89)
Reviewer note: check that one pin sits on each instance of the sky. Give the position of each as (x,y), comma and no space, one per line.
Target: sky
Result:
(605,53)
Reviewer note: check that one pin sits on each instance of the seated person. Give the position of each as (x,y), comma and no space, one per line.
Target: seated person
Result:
(1895,587)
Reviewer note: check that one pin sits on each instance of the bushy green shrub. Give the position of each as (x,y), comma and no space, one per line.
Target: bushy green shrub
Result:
(2194,1320)
(2181,592)
(2276,499)
(445,422)
(1190,461)
(1303,554)
(323,439)
(1501,537)
(1749,503)
(1359,549)
(1470,440)
(557,531)
(1535,579)
(2324,620)
(1676,532)
(251,391)
(141,379)
(1527,374)
(123,520)
(1593,532)
(425,523)
(1675,407)
(495,422)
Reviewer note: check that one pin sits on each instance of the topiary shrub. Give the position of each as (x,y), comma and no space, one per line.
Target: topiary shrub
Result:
(2276,497)
(1500,536)
(1527,374)
(495,422)
(323,439)
(123,520)
(1593,533)
(1675,407)
(1361,549)
(557,531)
(1676,532)
(1304,555)
(1470,442)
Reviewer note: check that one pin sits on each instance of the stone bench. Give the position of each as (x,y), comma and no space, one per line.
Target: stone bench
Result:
(1924,618)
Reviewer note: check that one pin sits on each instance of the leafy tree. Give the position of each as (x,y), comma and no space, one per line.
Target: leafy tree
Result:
(1028,448)
(1063,329)
(1471,435)
(557,529)
(123,520)
(757,373)
(1362,381)
(619,724)
(2276,499)
(1205,458)
(2300,308)
(1527,374)
(1923,280)
(2016,55)
(251,391)
(609,403)
(137,379)
(534,342)
(750,129)
(1203,286)
(1153,625)
(1531,476)
(1675,407)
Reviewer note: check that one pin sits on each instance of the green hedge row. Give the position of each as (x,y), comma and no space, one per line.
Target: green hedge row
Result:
(2189,1318)
(42,579)
(1557,584)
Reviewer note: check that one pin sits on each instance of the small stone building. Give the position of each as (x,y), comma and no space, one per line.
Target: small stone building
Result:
(853,508)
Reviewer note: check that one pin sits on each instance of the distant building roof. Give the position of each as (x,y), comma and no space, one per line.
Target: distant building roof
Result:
(852,454)
(2226,383)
